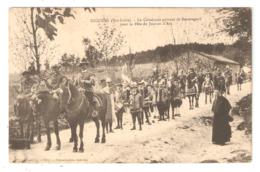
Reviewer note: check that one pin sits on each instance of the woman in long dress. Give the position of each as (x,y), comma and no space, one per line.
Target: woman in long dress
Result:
(221,107)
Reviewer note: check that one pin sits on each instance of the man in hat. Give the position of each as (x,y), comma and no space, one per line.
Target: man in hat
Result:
(147,102)
(85,81)
(141,91)
(135,106)
(119,105)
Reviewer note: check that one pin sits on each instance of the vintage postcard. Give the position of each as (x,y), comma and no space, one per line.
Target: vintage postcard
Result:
(130,85)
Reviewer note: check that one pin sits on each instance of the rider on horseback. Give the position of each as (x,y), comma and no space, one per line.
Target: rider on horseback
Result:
(86,82)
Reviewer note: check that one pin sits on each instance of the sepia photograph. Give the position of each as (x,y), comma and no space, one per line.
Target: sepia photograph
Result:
(130,85)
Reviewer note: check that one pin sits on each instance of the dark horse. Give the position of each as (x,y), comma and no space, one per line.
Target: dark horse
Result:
(77,109)
(47,108)
(23,112)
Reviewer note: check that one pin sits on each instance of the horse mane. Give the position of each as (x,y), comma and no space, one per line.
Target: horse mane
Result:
(73,90)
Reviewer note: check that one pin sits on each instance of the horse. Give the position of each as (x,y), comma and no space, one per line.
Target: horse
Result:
(47,108)
(77,109)
(23,111)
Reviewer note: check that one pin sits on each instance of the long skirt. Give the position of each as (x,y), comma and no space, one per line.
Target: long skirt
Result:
(221,131)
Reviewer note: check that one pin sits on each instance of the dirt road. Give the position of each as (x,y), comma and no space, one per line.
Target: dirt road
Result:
(185,139)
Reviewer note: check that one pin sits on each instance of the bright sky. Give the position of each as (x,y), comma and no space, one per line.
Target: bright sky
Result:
(195,25)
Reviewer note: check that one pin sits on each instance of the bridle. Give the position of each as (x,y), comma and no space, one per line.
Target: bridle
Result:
(69,100)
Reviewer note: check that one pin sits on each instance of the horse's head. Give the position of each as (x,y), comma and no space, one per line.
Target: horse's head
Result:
(69,95)
(22,109)
(64,93)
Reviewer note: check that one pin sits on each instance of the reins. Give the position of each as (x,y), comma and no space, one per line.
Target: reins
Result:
(69,99)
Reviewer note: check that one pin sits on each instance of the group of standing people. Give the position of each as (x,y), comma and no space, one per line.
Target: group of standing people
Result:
(148,97)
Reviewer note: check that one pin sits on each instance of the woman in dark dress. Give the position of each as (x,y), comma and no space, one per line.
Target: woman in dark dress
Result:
(221,107)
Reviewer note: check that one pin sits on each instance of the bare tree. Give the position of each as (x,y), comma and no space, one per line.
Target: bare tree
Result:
(92,55)
(22,47)
(108,41)
(40,21)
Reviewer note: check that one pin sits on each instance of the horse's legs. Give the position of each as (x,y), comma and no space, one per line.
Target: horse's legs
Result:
(56,130)
(142,116)
(21,128)
(27,134)
(103,123)
(168,110)
(97,127)
(106,126)
(38,123)
(81,128)
(121,120)
(206,96)
(75,137)
(110,126)
(31,131)
(190,101)
(48,146)
(139,120)
(71,135)
(172,106)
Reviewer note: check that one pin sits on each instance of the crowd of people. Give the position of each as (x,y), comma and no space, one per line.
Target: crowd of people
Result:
(144,99)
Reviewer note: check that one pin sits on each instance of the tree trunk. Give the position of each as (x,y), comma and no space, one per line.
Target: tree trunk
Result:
(35,46)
